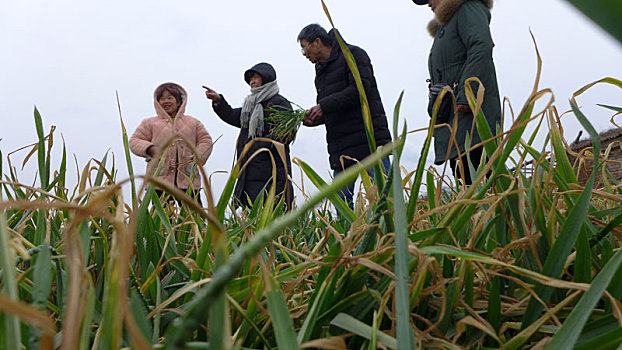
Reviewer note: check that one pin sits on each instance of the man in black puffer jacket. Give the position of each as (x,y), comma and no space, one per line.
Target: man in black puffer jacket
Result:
(338,102)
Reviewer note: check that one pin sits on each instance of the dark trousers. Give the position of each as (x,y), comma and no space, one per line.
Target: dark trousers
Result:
(347,193)
(460,166)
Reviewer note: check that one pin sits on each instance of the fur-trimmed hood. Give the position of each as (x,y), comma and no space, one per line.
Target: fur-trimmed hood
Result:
(446,9)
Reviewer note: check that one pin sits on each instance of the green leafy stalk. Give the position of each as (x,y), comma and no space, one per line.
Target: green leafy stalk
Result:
(44,174)
(571,328)
(128,159)
(12,329)
(605,13)
(414,194)
(351,324)
(405,335)
(339,203)
(42,282)
(281,321)
(286,122)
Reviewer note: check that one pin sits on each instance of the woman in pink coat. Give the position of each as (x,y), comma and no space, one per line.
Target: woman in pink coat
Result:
(180,165)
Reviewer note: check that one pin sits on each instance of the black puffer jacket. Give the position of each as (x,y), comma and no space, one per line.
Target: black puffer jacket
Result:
(339,98)
(258,172)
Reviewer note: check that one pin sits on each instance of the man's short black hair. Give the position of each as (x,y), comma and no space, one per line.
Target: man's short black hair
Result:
(312,32)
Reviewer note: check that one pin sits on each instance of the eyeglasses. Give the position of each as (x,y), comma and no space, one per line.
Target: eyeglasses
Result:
(305,48)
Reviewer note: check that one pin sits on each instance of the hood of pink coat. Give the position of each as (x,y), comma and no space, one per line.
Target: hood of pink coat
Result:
(182,108)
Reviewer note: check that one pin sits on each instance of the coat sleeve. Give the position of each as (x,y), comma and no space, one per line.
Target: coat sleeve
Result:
(349,98)
(474,30)
(224,111)
(141,139)
(204,142)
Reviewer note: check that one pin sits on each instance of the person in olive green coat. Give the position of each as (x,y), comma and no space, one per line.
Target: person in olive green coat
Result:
(462,49)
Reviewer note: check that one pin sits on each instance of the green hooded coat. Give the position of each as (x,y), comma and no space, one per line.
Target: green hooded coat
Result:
(462,49)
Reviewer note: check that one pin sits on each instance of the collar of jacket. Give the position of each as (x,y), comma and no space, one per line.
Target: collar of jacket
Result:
(334,53)
(446,10)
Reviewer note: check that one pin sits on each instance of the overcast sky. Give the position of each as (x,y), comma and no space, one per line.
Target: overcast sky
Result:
(69,57)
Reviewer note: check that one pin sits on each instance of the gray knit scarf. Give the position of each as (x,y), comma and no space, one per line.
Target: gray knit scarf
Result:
(252,111)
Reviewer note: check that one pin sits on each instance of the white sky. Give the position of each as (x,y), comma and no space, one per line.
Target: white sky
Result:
(69,57)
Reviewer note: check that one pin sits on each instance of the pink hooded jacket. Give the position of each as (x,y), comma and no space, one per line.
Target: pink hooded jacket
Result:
(179,159)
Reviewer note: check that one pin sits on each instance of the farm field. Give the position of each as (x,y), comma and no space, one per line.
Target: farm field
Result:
(527,257)
(513,260)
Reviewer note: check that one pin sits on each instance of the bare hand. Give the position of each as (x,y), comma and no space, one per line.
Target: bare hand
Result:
(152,150)
(314,116)
(211,94)
(464,108)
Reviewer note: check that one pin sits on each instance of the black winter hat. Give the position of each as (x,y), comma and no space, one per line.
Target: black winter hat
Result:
(266,71)
(421,2)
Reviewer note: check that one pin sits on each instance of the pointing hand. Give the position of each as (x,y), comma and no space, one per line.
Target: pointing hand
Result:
(211,94)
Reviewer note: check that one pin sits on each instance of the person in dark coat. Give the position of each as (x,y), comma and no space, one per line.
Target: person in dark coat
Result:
(462,49)
(252,121)
(338,102)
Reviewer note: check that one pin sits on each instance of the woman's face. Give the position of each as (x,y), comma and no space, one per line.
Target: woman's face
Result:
(255,80)
(169,103)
